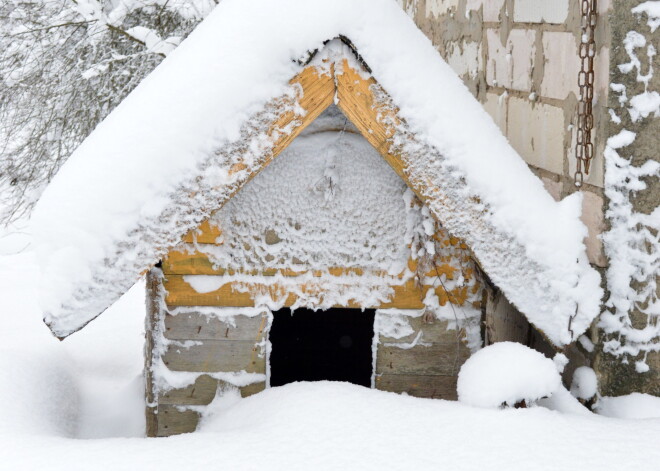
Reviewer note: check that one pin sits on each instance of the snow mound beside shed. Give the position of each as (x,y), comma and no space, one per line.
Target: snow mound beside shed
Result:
(506,373)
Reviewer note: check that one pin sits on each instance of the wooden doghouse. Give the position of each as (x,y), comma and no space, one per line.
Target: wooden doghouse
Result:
(215,297)
(393,234)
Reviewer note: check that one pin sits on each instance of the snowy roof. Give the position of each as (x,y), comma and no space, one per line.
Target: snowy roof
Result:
(196,129)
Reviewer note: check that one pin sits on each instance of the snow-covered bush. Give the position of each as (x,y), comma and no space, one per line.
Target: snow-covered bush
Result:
(64,65)
(506,373)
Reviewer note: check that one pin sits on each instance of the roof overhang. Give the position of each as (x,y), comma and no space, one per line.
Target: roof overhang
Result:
(429,162)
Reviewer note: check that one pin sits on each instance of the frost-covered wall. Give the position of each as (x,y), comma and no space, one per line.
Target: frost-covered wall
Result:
(629,357)
(520,59)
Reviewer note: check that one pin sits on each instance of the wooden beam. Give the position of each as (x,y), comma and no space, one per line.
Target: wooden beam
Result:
(198,263)
(375,121)
(406,296)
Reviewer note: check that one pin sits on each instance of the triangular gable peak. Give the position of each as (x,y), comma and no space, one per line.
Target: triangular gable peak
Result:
(533,286)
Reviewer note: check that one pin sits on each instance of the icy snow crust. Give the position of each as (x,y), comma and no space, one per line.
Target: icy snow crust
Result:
(329,200)
(158,165)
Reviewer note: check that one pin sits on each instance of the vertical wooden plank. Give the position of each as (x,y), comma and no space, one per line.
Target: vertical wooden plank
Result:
(503,321)
(154,293)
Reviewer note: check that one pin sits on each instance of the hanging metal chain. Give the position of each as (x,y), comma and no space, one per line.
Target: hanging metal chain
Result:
(584,148)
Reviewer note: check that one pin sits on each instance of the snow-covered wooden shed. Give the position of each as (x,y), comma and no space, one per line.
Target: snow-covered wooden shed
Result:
(324,163)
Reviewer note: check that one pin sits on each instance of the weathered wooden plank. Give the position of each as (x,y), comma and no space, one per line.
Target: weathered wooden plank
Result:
(197,326)
(216,356)
(375,122)
(154,289)
(172,421)
(435,331)
(436,359)
(182,261)
(431,386)
(203,391)
(180,293)
(503,321)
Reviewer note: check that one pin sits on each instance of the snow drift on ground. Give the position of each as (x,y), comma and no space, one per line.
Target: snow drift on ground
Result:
(632,406)
(59,399)
(126,193)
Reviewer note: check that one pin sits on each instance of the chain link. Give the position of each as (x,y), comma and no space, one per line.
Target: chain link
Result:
(584,148)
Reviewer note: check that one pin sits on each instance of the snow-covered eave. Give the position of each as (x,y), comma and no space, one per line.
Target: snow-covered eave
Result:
(472,181)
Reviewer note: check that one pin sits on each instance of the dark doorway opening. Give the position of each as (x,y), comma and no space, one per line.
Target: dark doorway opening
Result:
(333,345)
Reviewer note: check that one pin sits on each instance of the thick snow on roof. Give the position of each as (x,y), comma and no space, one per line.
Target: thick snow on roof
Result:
(158,165)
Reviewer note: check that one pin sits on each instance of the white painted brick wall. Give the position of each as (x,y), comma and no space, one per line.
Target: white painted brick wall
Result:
(562,65)
(466,59)
(492,8)
(511,65)
(537,133)
(540,11)
(496,106)
(440,7)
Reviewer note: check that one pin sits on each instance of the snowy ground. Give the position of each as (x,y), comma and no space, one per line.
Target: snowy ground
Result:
(77,405)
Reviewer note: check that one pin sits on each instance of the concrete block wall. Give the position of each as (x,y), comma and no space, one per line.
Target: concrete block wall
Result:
(520,59)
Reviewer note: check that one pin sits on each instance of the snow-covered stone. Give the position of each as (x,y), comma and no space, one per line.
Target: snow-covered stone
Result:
(585,383)
(506,373)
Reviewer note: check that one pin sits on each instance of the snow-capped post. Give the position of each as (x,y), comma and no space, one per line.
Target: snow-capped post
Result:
(628,355)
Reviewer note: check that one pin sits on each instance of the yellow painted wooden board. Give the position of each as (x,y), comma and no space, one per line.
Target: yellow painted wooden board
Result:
(406,296)
(206,233)
(198,263)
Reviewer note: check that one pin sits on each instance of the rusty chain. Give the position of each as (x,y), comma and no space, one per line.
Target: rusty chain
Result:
(584,148)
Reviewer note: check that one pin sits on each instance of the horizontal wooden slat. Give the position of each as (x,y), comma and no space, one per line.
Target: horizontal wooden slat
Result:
(216,356)
(196,326)
(436,359)
(180,293)
(196,262)
(431,386)
(203,391)
(182,262)
(172,421)
(435,331)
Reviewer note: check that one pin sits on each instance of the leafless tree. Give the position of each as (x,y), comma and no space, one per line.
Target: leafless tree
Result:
(64,65)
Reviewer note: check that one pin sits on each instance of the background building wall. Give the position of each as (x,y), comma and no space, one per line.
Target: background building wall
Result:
(520,59)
